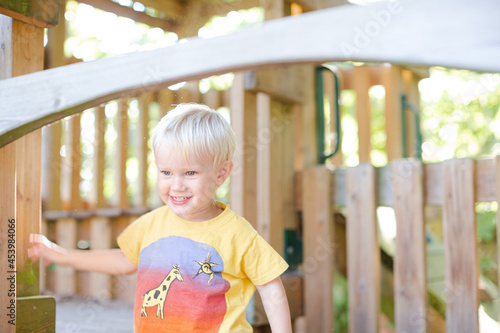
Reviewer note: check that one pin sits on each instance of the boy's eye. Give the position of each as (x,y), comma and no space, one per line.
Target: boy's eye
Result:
(191,173)
(166,173)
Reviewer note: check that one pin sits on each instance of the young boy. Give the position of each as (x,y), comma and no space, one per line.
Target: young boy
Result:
(197,261)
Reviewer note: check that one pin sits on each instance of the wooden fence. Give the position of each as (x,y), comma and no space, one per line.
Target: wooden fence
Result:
(408,187)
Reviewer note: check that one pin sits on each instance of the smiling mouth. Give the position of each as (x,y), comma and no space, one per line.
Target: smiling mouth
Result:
(179,199)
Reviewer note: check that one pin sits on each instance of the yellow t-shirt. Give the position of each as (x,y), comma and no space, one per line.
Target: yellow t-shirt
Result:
(196,276)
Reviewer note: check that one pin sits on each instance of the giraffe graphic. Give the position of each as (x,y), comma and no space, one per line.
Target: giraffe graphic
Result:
(157,296)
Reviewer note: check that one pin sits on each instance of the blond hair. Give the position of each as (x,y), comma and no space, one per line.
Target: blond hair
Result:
(195,129)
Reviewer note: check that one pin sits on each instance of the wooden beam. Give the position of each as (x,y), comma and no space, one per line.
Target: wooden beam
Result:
(222,7)
(310,5)
(32,101)
(167,24)
(283,83)
(40,13)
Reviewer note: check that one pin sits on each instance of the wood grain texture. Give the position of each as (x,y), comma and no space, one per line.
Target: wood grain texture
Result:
(41,13)
(410,294)
(363,255)
(469,31)
(459,232)
(319,249)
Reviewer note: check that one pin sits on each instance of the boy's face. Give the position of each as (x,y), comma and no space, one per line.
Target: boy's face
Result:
(188,187)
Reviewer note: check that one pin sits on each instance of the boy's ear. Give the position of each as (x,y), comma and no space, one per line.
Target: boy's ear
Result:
(224,172)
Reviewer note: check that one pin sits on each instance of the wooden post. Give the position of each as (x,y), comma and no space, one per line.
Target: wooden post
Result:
(141,199)
(21,53)
(7,198)
(410,290)
(461,262)
(361,83)
(264,202)
(318,249)
(243,185)
(363,254)
(393,84)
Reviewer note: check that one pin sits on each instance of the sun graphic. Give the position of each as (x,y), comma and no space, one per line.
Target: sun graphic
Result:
(206,267)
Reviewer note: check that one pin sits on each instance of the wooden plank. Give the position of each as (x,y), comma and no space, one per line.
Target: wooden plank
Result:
(166,100)
(410,276)
(318,249)
(168,24)
(65,277)
(8,215)
(393,84)
(363,255)
(27,56)
(120,198)
(97,199)
(212,99)
(461,261)
(361,86)
(41,13)
(142,196)
(75,159)
(36,314)
(59,92)
(243,186)
(264,196)
(100,239)
(123,285)
(284,83)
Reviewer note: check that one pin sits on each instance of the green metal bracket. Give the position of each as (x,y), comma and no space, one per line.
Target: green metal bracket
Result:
(320,113)
(418,135)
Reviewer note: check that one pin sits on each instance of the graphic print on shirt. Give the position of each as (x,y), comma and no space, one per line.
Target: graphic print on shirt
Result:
(206,267)
(186,278)
(157,296)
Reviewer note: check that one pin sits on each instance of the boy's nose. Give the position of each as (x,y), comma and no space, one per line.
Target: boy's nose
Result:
(178,183)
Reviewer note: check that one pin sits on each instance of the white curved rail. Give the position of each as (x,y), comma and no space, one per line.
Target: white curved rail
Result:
(459,34)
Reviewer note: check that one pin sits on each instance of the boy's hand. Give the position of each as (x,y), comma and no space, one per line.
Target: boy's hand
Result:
(41,247)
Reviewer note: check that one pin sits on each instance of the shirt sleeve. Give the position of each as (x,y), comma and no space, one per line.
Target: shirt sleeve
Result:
(130,240)
(261,263)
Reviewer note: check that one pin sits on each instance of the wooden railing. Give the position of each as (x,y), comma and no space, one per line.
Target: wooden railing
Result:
(408,186)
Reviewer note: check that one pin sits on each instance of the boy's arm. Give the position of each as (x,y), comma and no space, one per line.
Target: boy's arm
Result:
(111,261)
(276,306)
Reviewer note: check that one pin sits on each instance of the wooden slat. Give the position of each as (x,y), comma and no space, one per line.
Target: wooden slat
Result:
(97,193)
(243,185)
(166,100)
(7,214)
(392,82)
(100,239)
(59,92)
(410,261)
(461,262)
(264,196)
(142,150)
(361,85)
(120,196)
(363,255)
(211,98)
(65,282)
(74,152)
(279,210)
(318,249)
(41,13)
(27,57)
